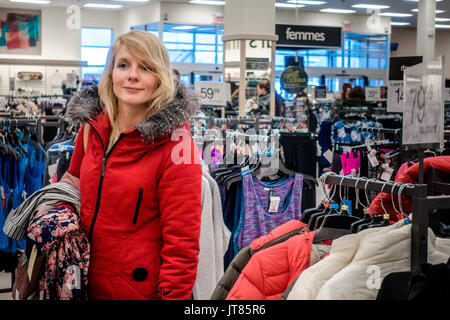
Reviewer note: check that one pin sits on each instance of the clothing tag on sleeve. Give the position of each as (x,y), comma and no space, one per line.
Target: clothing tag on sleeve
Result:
(372,158)
(274,204)
(387,174)
(328,155)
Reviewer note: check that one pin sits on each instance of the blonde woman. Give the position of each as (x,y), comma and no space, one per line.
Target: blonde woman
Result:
(140,207)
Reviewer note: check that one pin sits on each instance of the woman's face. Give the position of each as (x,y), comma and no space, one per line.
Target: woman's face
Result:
(260,91)
(347,92)
(133,83)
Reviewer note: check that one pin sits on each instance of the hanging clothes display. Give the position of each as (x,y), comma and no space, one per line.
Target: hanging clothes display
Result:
(267,205)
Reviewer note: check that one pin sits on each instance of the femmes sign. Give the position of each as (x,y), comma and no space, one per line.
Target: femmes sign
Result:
(299,35)
(308,36)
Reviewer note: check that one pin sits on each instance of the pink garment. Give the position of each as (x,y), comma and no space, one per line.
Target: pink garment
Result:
(349,162)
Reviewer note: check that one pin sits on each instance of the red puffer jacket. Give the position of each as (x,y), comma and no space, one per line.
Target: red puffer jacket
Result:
(410,175)
(270,271)
(139,208)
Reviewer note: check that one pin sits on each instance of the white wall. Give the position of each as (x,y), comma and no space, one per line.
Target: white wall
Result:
(190,13)
(138,16)
(60,43)
(407,39)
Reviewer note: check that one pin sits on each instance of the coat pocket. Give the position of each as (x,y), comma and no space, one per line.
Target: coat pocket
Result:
(138,205)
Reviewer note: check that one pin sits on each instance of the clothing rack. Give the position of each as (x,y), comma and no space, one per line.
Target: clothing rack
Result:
(422,205)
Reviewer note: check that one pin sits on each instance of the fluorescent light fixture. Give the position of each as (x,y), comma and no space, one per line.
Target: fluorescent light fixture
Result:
(31,1)
(212,2)
(418,0)
(311,3)
(132,0)
(442,19)
(103,6)
(442,26)
(288,5)
(395,14)
(370,6)
(185,27)
(331,10)
(437,11)
(396,23)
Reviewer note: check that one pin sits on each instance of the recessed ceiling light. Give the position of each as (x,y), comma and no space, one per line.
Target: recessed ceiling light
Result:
(212,2)
(103,6)
(132,0)
(395,14)
(442,26)
(288,5)
(395,23)
(418,0)
(330,10)
(185,27)
(31,1)
(370,6)
(311,3)
(442,19)
(437,11)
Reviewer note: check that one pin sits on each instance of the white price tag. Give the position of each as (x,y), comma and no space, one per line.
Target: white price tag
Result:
(213,93)
(423,110)
(372,158)
(387,174)
(329,156)
(274,204)
(372,93)
(395,96)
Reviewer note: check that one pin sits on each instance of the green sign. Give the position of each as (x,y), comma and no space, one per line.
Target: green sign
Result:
(294,79)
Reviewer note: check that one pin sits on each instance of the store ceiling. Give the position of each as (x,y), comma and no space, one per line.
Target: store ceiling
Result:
(397,6)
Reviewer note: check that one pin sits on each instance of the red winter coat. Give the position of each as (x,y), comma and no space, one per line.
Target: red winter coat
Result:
(410,175)
(140,210)
(270,271)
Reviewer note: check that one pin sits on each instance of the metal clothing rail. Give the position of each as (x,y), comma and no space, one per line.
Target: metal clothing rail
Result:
(422,206)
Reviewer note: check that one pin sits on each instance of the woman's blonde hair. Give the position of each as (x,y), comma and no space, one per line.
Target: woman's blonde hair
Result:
(151,53)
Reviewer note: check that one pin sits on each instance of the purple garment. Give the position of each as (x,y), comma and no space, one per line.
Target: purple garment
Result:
(257,220)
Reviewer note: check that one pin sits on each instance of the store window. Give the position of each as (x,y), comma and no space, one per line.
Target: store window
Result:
(190,43)
(358,51)
(95,43)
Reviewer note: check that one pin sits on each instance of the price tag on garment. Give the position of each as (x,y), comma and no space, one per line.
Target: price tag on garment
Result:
(213,93)
(274,204)
(3,193)
(395,96)
(372,93)
(372,158)
(328,155)
(387,174)
(423,108)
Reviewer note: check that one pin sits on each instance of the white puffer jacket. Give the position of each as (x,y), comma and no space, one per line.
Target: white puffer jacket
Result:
(358,263)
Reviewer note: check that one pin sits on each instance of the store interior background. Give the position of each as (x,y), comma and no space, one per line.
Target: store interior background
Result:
(193,35)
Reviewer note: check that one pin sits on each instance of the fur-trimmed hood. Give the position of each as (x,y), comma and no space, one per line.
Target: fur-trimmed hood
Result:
(85,105)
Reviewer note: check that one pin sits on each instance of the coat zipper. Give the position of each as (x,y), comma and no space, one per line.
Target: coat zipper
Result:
(138,205)
(100,184)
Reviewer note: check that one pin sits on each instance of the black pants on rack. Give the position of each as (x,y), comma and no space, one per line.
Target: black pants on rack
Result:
(300,152)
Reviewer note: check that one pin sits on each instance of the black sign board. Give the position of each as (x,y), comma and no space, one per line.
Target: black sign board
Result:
(398,64)
(308,36)
(294,79)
